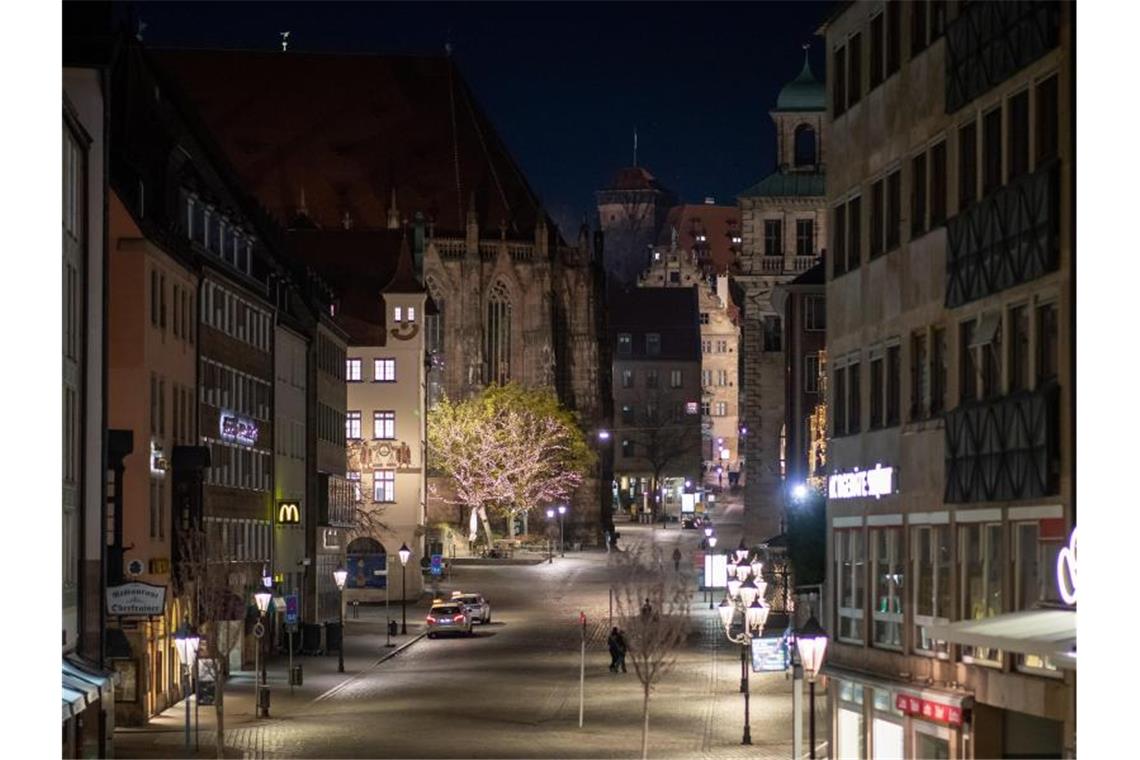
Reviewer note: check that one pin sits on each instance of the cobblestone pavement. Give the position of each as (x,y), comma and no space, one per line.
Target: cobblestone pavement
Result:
(511,690)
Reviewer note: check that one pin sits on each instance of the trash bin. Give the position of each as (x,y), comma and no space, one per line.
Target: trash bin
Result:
(263,700)
(296,678)
(393,629)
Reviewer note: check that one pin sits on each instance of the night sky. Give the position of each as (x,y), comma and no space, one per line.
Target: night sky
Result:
(566,83)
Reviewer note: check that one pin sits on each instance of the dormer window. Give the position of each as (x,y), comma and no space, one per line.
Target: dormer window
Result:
(398,313)
(411,313)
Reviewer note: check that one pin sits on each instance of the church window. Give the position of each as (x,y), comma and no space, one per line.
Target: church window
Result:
(497,336)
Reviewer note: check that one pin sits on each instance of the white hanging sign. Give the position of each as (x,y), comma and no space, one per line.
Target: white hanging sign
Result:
(858,483)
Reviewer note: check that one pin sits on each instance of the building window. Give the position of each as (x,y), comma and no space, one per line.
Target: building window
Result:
(967,367)
(988,338)
(384,370)
(773,334)
(1018,135)
(854,423)
(627,414)
(917,27)
(626,448)
(1047,351)
(805,237)
(706,408)
(967,166)
(722,346)
(937,19)
(815,313)
(894,384)
(675,277)
(889,574)
(773,237)
(706,378)
(384,486)
(1047,120)
(854,233)
(991,151)
(918,195)
(650,378)
(627,378)
(854,71)
(877,209)
(877,75)
(675,378)
(876,393)
(804,147)
(704,317)
(722,377)
(1035,557)
(625,344)
(352,425)
(497,348)
(154,297)
(384,425)
(354,479)
(932,601)
(839,240)
(839,82)
(839,402)
(411,313)
(894,208)
(811,373)
(352,370)
(938,371)
(652,344)
(938,185)
(980,554)
(398,314)
(919,376)
(850,556)
(651,412)
(720,409)
(706,346)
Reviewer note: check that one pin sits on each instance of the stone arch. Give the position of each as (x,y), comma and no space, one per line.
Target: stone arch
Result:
(364,557)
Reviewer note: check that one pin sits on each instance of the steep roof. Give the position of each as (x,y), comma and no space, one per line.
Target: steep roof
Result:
(804,93)
(787,185)
(634,178)
(717,223)
(345,130)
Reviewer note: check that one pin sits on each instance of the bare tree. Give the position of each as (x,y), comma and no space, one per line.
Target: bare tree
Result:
(653,614)
(664,445)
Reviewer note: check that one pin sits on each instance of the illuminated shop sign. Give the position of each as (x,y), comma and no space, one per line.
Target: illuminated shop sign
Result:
(925,708)
(692,407)
(237,429)
(288,512)
(1067,570)
(158,462)
(861,483)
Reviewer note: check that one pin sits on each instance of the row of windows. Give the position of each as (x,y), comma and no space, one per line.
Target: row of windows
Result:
(716,409)
(238,466)
(330,356)
(652,344)
(721,378)
(774,237)
(233,540)
(884,53)
(236,317)
(928,582)
(216,233)
(330,425)
(676,378)
(994,350)
(383,485)
(1006,136)
(383,425)
(226,388)
(182,307)
(383,370)
(289,438)
(709,346)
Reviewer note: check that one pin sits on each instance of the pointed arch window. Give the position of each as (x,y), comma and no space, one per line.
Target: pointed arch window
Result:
(497,336)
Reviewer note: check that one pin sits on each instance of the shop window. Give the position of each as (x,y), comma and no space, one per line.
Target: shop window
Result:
(932,569)
(889,580)
(850,559)
(850,742)
(931,747)
(886,739)
(1037,544)
(979,546)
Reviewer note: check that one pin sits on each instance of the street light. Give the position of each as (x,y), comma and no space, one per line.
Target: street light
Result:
(186,642)
(405,554)
(561,530)
(262,599)
(811,643)
(746,596)
(340,575)
(799,492)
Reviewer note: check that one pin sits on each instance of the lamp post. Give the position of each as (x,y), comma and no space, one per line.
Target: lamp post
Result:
(549,538)
(405,554)
(746,596)
(811,643)
(186,641)
(561,530)
(262,599)
(340,575)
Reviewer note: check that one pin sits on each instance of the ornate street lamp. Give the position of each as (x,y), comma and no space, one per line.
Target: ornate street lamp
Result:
(340,575)
(262,599)
(186,642)
(811,643)
(405,554)
(561,530)
(746,596)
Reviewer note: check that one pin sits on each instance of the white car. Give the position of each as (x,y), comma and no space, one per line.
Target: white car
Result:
(477,605)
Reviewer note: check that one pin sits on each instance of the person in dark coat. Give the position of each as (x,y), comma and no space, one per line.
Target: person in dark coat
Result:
(677,560)
(617,650)
(622,647)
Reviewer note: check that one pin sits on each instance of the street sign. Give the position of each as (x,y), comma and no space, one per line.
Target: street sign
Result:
(437,564)
(770,654)
(291,609)
(259,630)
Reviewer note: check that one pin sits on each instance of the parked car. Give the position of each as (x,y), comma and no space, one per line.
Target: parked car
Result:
(477,604)
(450,617)
(695,522)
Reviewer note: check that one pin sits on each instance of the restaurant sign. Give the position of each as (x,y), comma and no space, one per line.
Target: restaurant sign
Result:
(860,483)
(136,598)
(924,708)
(237,429)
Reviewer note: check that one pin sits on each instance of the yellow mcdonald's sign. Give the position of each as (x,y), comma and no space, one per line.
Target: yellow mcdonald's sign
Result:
(288,513)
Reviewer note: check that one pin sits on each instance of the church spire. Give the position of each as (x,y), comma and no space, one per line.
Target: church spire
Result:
(393,212)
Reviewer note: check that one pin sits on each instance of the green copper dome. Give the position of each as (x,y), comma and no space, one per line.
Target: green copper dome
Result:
(804,93)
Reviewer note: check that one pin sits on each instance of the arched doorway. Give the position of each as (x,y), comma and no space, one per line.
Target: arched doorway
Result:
(367,564)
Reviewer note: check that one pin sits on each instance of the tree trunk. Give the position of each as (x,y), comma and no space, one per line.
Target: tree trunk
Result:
(511,524)
(486,528)
(220,714)
(645,725)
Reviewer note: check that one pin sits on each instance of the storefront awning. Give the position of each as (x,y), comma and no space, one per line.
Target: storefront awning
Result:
(83,685)
(74,702)
(1046,633)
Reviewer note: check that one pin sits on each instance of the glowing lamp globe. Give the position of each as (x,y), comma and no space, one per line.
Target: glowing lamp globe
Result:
(755,615)
(186,641)
(405,554)
(726,609)
(811,643)
(748,593)
(733,587)
(262,599)
(340,575)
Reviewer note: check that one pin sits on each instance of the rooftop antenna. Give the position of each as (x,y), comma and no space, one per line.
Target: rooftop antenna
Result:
(635,146)
(284,41)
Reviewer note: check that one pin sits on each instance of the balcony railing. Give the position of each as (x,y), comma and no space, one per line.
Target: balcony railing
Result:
(1009,238)
(1006,448)
(991,41)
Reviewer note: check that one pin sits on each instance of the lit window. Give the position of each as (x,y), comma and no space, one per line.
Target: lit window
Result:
(411,313)
(384,425)
(384,371)
(352,425)
(384,485)
(352,370)
(398,313)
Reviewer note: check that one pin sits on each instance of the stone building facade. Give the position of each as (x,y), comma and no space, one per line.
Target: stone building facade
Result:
(783,226)
(951,351)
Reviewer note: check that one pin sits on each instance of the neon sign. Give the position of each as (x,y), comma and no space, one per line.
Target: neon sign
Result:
(237,429)
(856,484)
(288,513)
(1067,570)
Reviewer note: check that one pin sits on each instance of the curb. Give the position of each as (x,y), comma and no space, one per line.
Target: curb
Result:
(387,656)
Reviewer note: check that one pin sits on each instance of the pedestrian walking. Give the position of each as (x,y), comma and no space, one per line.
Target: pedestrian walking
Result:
(615,643)
(622,648)
(646,608)
(607,542)
(677,560)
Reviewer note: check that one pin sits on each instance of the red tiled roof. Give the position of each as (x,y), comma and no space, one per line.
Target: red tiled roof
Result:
(347,129)
(718,223)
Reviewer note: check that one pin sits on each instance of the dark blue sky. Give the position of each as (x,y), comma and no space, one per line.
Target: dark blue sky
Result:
(566,83)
